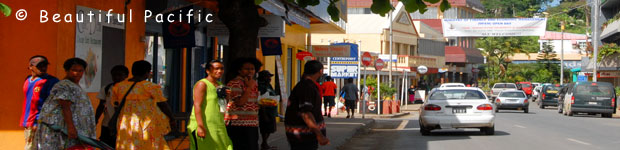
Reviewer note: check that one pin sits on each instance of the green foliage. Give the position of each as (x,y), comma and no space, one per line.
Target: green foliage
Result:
(380,7)
(510,8)
(575,14)
(333,11)
(386,90)
(617,89)
(6,10)
(608,50)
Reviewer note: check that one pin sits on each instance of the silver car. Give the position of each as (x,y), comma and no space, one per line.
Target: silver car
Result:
(512,99)
(457,107)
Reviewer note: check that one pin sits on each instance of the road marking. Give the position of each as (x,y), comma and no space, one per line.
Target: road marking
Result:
(402,125)
(577,141)
(520,126)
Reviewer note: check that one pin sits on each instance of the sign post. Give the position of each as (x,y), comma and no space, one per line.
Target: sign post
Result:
(378,66)
(366,60)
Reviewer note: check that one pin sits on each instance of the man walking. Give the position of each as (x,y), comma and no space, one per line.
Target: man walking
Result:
(305,128)
(329,93)
(350,97)
(36,89)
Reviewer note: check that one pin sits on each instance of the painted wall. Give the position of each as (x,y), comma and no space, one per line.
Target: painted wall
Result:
(19,40)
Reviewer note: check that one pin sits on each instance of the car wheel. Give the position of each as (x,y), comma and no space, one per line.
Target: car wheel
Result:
(607,115)
(488,130)
(526,110)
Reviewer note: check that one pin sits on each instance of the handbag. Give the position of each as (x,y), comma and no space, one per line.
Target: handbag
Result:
(114,119)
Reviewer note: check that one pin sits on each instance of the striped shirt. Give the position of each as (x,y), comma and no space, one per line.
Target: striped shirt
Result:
(245,115)
(36,90)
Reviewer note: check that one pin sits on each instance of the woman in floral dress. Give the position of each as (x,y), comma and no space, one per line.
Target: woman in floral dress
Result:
(145,117)
(69,107)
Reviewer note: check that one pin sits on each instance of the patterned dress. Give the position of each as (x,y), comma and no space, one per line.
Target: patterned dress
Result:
(141,124)
(82,114)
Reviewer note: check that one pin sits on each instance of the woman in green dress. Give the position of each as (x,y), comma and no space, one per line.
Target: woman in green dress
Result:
(206,126)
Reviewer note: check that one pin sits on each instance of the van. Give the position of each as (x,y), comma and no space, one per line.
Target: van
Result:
(591,98)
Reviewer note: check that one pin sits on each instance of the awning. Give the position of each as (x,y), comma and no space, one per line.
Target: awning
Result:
(456,54)
(278,8)
(611,34)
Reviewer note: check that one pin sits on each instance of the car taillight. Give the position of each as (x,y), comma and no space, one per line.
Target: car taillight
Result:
(432,107)
(543,96)
(525,101)
(485,107)
(498,100)
(613,102)
(572,100)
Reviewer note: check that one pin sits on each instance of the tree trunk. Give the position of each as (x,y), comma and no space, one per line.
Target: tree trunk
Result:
(242,19)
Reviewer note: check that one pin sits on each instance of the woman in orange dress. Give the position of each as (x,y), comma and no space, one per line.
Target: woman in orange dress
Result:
(145,117)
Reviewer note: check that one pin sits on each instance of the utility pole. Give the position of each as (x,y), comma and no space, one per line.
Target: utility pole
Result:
(595,36)
(391,45)
(562,55)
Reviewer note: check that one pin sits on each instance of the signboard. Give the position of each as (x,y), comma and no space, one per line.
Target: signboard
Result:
(387,57)
(343,67)
(283,87)
(366,59)
(582,78)
(271,46)
(88,45)
(494,27)
(422,69)
(304,56)
(609,74)
(442,70)
(331,50)
(379,64)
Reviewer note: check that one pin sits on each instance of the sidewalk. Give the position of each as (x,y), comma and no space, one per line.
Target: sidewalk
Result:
(339,131)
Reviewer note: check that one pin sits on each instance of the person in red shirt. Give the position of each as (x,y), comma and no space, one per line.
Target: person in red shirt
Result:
(329,94)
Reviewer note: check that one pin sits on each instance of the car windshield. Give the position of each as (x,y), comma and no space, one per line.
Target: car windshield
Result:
(512,94)
(499,85)
(510,86)
(594,90)
(456,94)
(552,89)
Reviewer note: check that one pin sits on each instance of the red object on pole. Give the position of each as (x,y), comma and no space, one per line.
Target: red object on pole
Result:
(379,64)
(304,56)
(366,59)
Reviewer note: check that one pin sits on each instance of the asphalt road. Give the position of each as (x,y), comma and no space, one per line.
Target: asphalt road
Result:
(541,129)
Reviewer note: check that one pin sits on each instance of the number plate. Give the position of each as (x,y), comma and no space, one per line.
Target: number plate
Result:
(459,110)
(593,103)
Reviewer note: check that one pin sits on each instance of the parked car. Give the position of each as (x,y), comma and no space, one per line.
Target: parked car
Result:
(535,93)
(549,95)
(461,107)
(591,98)
(525,87)
(562,94)
(512,99)
(499,87)
(452,85)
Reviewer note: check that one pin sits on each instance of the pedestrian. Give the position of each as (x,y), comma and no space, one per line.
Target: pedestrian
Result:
(69,107)
(266,114)
(206,123)
(411,92)
(144,117)
(106,107)
(242,114)
(350,97)
(37,87)
(329,94)
(305,127)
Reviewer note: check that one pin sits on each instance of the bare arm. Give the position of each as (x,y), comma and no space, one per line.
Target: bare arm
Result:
(67,117)
(100,109)
(199,94)
(310,122)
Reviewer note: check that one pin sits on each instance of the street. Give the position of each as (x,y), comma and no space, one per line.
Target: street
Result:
(540,129)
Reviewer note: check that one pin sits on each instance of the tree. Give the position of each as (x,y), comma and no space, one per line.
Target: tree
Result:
(547,54)
(242,20)
(6,10)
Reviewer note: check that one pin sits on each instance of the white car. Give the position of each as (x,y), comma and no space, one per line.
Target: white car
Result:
(461,107)
(535,92)
(452,85)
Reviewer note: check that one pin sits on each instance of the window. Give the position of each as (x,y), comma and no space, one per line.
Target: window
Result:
(359,11)
(582,45)
(456,94)
(452,42)
(512,94)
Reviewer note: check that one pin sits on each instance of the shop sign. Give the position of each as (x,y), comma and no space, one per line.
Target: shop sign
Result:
(343,67)
(422,69)
(331,50)
(304,56)
(609,74)
(271,46)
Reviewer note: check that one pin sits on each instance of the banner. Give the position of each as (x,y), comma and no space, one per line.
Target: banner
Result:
(271,46)
(180,33)
(494,27)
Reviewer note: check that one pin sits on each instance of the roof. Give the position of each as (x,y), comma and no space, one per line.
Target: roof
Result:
(457,54)
(534,56)
(433,23)
(552,35)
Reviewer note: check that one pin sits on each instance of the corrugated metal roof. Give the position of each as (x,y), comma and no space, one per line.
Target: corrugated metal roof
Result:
(456,54)
(433,23)
(552,35)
